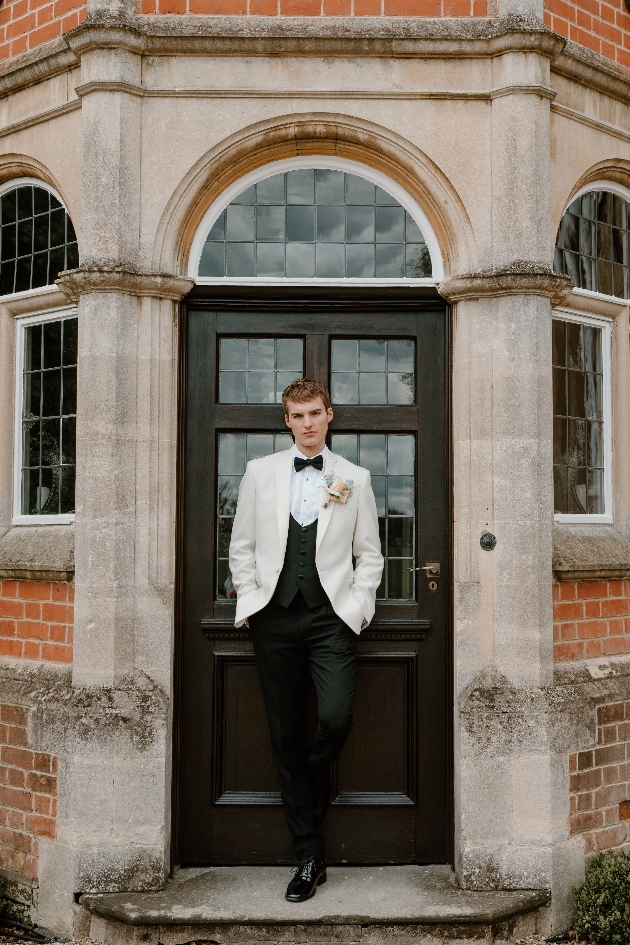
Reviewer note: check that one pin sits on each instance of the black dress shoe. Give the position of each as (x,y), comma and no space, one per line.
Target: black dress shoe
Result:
(309,874)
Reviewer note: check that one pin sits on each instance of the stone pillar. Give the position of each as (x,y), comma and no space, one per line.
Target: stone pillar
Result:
(510,786)
(113,737)
(113,742)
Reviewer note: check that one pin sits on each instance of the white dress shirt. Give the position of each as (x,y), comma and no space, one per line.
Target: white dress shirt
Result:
(306,489)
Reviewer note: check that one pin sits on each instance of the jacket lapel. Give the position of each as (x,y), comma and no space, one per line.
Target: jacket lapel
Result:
(283,495)
(325,514)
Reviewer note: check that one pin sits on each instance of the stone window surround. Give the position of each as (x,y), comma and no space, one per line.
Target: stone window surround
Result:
(585,548)
(29,551)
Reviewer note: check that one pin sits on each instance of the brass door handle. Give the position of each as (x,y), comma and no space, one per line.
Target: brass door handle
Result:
(433,569)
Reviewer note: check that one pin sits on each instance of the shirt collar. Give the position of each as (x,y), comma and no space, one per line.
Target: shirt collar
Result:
(296,452)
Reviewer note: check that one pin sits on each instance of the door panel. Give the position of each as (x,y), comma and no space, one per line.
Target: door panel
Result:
(391,787)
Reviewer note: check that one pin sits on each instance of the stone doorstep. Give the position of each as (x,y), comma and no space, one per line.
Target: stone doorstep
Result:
(357,904)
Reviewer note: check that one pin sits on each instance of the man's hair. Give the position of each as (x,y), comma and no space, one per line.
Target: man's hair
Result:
(303,390)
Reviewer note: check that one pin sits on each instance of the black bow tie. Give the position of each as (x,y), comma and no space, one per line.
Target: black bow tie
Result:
(317,462)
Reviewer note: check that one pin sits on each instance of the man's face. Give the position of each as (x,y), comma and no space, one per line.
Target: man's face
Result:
(309,424)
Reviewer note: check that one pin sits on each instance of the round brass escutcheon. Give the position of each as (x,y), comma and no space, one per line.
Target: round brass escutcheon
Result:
(433,585)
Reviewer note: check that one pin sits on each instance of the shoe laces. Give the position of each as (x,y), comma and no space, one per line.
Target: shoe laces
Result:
(305,868)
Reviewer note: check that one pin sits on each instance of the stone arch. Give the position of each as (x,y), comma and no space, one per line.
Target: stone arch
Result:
(615,170)
(321,135)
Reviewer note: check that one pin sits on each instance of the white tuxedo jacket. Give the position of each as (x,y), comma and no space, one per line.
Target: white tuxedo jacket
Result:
(261,527)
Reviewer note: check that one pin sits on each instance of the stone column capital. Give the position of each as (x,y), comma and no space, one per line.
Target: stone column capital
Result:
(520,278)
(159,285)
(110,31)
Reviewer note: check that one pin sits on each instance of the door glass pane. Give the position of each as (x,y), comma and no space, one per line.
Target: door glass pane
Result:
(578,425)
(390,457)
(320,224)
(372,371)
(257,370)
(235,451)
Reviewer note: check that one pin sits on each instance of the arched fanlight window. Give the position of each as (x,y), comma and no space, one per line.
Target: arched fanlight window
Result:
(37,239)
(592,243)
(315,223)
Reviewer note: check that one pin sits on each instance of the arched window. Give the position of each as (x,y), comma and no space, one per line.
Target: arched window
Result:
(37,239)
(314,223)
(592,249)
(592,243)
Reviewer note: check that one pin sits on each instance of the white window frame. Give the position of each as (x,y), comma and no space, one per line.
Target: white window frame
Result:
(325,163)
(21,323)
(605,324)
(28,182)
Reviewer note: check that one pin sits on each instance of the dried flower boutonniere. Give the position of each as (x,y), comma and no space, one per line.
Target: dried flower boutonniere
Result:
(337,489)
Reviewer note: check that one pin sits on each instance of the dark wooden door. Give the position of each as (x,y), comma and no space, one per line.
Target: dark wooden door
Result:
(387,365)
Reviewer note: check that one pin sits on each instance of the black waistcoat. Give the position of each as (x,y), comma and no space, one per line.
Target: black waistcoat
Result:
(299,572)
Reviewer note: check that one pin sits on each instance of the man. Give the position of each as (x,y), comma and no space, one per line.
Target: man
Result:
(302,515)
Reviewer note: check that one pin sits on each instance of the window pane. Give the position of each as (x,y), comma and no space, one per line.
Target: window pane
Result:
(49,409)
(362,371)
(344,228)
(591,244)
(257,370)
(390,459)
(578,426)
(32,224)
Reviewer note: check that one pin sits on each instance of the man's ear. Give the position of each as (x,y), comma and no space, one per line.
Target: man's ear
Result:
(286,420)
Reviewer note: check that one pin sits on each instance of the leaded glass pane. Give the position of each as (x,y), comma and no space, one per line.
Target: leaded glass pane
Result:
(37,240)
(578,423)
(235,451)
(390,457)
(49,417)
(372,371)
(257,370)
(592,244)
(320,224)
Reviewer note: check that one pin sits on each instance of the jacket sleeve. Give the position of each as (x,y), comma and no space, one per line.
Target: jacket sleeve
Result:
(243,540)
(366,548)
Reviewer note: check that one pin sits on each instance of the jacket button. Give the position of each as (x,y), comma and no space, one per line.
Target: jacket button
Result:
(300,576)
(302,564)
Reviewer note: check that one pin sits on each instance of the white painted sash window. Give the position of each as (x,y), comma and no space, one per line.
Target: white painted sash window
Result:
(581,417)
(45,418)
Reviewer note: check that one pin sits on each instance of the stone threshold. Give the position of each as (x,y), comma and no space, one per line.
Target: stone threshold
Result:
(246,903)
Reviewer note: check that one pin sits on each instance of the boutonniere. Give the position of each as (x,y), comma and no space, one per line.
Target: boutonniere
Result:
(337,489)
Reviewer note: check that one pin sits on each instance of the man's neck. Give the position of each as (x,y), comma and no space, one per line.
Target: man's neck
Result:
(312,450)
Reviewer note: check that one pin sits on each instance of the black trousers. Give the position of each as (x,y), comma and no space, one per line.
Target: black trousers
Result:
(288,642)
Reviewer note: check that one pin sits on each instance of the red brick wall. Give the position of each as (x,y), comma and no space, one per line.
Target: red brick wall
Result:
(603,27)
(36,620)
(28,789)
(25,24)
(599,784)
(320,7)
(591,619)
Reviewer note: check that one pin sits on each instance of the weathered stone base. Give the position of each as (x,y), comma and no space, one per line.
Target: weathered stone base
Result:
(116,933)
(397,904)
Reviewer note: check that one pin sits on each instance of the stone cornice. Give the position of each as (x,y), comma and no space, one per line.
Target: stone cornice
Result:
(593,70)
(77,282)
(316,36)
(108,34)
(37,64)
(517,279)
